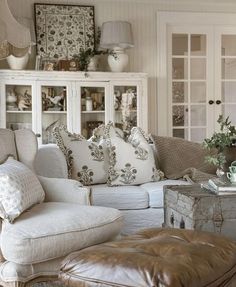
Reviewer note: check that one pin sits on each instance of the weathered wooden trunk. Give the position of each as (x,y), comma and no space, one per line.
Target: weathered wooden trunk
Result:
(191,207)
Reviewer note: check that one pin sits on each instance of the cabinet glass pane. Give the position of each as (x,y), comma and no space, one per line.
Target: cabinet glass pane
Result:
(179,69)
(198,135)
(198,115)
(198,69)
(180,133)
(179,44)
(228,92)
(54,110)
(92,109)
(228,47)
(18,106)
(179,92)
(125,105)
(198,92)
(180,116)
(198,44)
(228,68)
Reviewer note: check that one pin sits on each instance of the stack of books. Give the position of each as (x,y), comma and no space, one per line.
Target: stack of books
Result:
(220,186)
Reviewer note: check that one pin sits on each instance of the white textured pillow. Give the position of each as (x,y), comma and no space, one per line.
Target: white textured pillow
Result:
(86,160)
(131,162)
(19,189)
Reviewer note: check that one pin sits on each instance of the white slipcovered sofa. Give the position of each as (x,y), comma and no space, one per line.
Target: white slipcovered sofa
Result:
(33,246)
(140,205)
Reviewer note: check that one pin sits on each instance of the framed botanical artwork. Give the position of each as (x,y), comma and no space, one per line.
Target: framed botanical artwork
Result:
(62,31)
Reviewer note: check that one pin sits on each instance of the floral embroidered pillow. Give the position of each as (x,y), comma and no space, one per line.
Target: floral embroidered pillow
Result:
(85,159)
(131,162)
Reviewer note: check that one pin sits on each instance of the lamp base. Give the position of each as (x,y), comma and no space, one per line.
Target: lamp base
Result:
(118,60)
(18,63)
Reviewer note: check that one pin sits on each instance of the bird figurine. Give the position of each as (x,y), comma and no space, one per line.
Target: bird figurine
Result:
(56,101)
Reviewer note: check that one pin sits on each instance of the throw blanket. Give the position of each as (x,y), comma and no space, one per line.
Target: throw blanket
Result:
(179,158)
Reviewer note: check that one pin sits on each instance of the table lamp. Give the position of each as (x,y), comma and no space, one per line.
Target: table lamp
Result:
(117,36)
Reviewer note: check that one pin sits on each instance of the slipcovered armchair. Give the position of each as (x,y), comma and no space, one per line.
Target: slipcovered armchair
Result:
(33,246)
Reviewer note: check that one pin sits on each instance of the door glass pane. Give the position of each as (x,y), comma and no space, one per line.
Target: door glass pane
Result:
(180,92)
(198,44)
(179,44)
(180,133)
(179,69)
(125,105)
(198,69)
(229,92)
(198,135)
(229,110)
(54,110)
(198,92)
(18,107)
(198,115)
(180,116)
(228,68)
(228,45)
(92,109)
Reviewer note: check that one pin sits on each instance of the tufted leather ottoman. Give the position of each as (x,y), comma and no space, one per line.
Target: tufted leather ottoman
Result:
(155,258)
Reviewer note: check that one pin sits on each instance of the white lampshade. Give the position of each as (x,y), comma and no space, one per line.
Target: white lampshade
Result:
(15,39)
(116,34)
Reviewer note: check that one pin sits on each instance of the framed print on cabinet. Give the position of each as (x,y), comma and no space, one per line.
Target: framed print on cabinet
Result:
(63,30)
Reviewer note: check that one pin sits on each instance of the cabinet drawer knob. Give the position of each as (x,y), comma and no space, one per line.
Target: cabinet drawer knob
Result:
(211,102)
(218,102)
(38,135)
(182,223)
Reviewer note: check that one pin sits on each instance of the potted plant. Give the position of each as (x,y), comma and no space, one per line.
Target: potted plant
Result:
(222,145)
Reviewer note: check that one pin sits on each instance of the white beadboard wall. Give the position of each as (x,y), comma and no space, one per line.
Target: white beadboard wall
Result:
(143,16)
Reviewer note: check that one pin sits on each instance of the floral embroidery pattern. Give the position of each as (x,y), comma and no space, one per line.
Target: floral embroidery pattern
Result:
(128,174)
(66,151)
(85,176)
(157,174)
(141,153)
(96,152)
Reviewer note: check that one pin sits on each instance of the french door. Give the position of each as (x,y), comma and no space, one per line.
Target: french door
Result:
(200,81)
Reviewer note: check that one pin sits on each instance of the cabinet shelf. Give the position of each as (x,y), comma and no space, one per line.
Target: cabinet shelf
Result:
(54,112)
(19,112)
(92,112)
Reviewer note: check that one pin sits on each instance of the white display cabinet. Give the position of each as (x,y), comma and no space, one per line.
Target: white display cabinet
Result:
(41,100)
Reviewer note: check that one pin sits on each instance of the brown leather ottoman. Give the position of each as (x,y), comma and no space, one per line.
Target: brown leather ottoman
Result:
(155,258)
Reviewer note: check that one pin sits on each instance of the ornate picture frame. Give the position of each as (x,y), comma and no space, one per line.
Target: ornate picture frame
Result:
(63,30)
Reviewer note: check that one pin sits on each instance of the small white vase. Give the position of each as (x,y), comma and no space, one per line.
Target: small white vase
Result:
(118,60)
(18,63)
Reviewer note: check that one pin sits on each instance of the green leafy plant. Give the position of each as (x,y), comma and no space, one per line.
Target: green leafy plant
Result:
(219,141)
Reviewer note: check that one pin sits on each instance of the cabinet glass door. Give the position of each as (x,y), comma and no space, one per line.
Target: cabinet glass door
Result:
(53,101)
(227,100)
(93,107)
(189,89)
(18,103)
(125,107)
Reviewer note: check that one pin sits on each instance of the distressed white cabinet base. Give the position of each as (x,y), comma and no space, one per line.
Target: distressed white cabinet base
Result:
(191,207)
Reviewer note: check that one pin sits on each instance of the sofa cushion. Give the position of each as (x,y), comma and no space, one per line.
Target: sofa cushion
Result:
(120,197)
(7,144)
(176,155)
(51,230)
(155,190)
(20,189)
(131,162)
(86,160)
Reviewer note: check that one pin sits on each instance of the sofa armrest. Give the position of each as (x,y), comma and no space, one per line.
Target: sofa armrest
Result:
(64,190)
